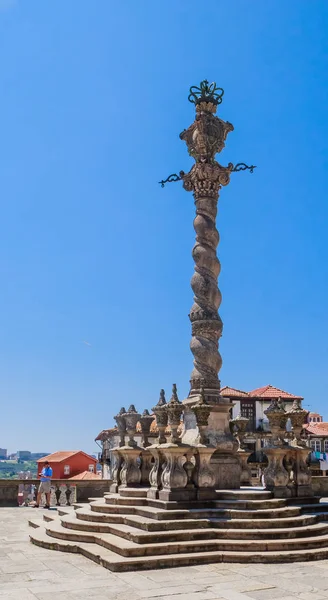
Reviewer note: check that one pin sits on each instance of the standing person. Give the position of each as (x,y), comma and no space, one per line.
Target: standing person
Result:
(45,484)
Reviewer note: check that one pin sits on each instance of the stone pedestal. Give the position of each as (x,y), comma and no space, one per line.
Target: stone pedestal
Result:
(130,473)
(303,478)
(118,462)
(276,477)
(246,473)
(146,466)
(224,462)
(174,478)
(203,474)
(156,470)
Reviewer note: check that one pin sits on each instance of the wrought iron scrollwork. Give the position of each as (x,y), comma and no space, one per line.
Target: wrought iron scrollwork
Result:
(171,178)
(242,167)
(206,92)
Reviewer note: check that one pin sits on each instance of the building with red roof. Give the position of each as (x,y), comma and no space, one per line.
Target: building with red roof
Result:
(66,464)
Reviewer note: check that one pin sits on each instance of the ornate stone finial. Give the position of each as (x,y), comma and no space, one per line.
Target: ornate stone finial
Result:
(132,418)
(240,425)
(174,397)
(277,417)
(202,412)
(162,399)
(121,425)
(160,412)
(145,424)
(297,416)
(174,412)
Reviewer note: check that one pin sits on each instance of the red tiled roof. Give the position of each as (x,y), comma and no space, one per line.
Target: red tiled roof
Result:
(228,392)
(62,455)
(86,475)
(269,391)
(317,428)
(312,414)
(105,433)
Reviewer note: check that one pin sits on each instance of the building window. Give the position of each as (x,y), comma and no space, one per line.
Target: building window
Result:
(67,469)
(247,409)
(316,445)
(326,445)
(91,468)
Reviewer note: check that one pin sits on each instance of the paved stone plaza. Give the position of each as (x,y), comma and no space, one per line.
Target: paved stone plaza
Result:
(31,573)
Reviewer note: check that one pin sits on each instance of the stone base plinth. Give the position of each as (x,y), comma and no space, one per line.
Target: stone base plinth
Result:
(113,488)
(281,491)
(178,495)
(206,494)
(304,491)
(227,471)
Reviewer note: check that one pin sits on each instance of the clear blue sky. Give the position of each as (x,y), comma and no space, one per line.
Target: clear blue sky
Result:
(93,97)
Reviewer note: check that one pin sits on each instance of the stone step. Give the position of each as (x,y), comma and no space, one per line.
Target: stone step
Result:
(128,548)
(244,494)
(114,562)
(125,501)
(140,537)
(137,492)
(252,504)
(152,524)
(153,512)
(321,507)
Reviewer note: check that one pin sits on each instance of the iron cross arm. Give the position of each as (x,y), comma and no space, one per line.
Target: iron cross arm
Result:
(241,167)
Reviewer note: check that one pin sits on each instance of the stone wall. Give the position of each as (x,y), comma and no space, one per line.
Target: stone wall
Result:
(320,486)
(86,488)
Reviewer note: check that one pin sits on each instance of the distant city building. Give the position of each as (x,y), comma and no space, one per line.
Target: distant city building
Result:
(317,433)
(68,463)
(37,455)
(23,455)
(3,453)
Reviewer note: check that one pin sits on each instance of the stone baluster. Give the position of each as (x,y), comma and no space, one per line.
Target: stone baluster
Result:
(130,472)
(240,423)
(203,474)
(57,494)
(174,477)
(117,457)
(68,493)
(158,464)
(302,475)
(146,457)
(276,477)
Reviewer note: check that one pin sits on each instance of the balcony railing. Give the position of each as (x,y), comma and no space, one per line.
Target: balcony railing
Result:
(63,491)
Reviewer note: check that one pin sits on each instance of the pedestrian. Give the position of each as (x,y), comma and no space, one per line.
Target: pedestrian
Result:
(45,484)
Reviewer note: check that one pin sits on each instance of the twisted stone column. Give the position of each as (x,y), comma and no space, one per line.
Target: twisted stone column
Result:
(204,138)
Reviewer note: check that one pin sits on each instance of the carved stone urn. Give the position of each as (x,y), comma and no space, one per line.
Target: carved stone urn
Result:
(121,425)
(145,421)
(174,411)
(239,426)
(161,415)
(297,416)
(202,411)
(277,417)
(131,418)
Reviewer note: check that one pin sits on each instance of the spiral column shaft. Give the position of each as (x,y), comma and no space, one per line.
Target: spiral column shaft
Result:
(204,138)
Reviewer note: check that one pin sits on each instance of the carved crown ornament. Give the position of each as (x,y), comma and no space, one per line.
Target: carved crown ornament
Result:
(205,138)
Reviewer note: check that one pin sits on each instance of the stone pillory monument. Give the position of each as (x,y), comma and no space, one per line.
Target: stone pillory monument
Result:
(180,489)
